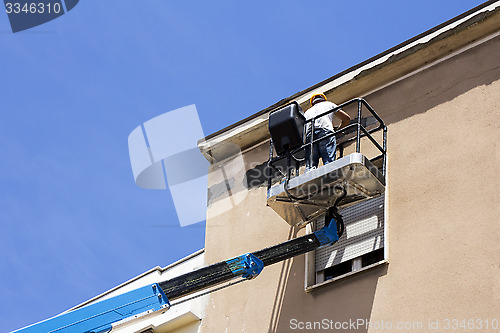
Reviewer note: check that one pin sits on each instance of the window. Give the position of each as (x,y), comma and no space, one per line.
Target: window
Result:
(361,246)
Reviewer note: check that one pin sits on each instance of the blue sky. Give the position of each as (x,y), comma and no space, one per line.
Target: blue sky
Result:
(72,221)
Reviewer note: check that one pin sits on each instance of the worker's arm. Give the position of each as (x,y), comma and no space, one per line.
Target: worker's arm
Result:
(344,117)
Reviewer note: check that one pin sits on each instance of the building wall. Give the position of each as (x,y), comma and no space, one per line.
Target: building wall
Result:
(443,215)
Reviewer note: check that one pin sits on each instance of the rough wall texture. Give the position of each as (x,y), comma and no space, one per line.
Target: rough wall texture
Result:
(444,236)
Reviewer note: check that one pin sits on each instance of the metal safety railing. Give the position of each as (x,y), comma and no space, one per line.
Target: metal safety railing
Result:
(355,126)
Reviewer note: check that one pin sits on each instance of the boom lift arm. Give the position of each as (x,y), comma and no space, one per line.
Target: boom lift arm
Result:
(251,264)
(100,317)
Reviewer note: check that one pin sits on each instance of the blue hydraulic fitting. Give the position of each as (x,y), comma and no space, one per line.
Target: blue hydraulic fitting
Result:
(247,265)
(328,234)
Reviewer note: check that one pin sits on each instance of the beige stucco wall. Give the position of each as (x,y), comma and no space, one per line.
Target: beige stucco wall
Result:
(443,215)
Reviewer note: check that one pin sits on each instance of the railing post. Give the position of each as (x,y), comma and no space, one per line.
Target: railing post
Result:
(358,134)
(385,152)
(312,140)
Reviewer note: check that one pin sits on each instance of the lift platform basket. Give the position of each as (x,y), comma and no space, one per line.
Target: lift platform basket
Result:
(361,179)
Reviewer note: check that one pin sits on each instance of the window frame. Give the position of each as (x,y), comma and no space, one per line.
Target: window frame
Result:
(314,280)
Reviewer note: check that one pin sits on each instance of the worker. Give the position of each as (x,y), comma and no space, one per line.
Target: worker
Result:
(322,126)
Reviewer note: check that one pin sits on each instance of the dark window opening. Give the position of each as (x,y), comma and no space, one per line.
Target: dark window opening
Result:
(338,270)
(372,257)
